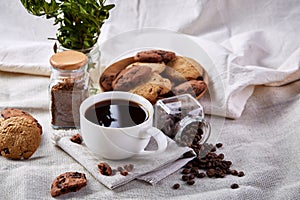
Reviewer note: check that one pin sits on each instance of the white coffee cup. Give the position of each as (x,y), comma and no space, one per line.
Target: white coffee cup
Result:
(120,143)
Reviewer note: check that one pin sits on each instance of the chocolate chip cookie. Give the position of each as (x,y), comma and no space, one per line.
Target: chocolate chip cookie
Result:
(68,182)
(19,137)
(154,56)
(13,112)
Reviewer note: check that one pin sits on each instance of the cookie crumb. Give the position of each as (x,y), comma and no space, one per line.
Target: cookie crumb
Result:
(76,138)
(105,169)
(124,172)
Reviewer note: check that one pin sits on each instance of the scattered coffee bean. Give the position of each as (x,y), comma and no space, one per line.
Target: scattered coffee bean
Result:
(194,171)
(185,177)
(219,145)
(214,165)
(234,172)
(201,175)
(185,171)
(176,186)
(213,149)
(221,156)
(234,186)
(105,169)
(190,182)
(76,138)
(210,173)
(191,176)
(241,174)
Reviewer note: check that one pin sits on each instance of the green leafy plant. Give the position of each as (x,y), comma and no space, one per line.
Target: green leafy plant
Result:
(79,21)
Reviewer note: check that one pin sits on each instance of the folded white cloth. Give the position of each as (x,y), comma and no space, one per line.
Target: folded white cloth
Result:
(238,68)
(151,169)
(26,57)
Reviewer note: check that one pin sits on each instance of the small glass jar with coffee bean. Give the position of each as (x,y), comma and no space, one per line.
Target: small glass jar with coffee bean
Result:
(68,87)
(182,119)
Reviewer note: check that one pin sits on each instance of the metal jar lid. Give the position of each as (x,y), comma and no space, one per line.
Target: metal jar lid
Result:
(68,60)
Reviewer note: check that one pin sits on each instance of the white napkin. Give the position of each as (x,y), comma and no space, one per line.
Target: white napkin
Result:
(151,169)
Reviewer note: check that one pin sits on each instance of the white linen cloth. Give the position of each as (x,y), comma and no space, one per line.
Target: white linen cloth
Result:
(242,60)
(253,43)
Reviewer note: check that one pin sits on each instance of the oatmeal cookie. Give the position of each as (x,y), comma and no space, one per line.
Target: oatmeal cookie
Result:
(183,69)
(68,182)
(19,138)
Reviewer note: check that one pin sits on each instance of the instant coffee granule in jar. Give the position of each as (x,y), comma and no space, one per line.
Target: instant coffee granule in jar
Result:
(68,87)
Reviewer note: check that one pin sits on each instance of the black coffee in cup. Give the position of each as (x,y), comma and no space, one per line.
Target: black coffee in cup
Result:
(117,113)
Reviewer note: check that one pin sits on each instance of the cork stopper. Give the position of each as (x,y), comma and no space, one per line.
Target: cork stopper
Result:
(68,60)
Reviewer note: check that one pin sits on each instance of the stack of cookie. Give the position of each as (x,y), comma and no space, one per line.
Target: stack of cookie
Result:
(20,134)
(155,74)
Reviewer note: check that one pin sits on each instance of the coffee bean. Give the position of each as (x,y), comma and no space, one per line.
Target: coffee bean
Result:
(185,177)
(241,174)
(210,173)
(185,171)
(234,172)
(201,175)
(234,186)
(219,174)
(190,182)
(219,145)
(194,171)
(206,158)
(191,176)
(221,156)
(213,149)
(176,186)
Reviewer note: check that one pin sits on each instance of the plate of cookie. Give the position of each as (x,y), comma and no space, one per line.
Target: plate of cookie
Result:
(155,74)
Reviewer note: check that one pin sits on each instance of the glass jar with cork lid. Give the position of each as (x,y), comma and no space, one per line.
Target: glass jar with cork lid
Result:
(68,87)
